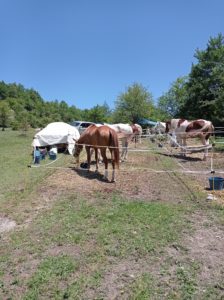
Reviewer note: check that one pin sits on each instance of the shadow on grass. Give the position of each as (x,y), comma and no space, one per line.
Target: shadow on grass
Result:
(83,172)
(182,158)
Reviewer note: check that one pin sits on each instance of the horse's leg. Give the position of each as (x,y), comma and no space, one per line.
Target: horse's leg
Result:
(97,160)
(113,165)
(140,138)
(99,156)
(205,143)
(126,149)
(181,141)
(124,154)
(123,148)
(88,157)
(77,160)
(174,140)
(91,152)
(105,160)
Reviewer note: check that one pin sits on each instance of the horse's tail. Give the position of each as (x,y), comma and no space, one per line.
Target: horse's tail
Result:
(114,147)
(208,129)
(212,129)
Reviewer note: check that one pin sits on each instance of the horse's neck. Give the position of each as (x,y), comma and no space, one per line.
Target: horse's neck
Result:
(179,124)
(84,139)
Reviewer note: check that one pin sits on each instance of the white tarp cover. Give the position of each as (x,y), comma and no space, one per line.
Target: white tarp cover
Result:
(57,133)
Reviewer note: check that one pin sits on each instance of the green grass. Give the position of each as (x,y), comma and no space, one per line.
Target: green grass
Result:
(69,248)
(219,144)
(118,229)
(48,279)
(17,179)
(143,288)
(16,155)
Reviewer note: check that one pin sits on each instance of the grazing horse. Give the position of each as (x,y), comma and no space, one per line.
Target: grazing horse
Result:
(126,133)
(182,129)
(137,131)
(101,137)
(159,128)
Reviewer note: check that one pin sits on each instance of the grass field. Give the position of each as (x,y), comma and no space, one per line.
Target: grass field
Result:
(79,238)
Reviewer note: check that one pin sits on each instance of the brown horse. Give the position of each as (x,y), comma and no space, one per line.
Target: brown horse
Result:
(102,137)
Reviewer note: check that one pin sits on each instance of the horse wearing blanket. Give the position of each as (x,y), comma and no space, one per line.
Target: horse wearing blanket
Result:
(182,129)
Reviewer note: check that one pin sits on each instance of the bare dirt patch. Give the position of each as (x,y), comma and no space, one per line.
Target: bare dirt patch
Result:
(6,224)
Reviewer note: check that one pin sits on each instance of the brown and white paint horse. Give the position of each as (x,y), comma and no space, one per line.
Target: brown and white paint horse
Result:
(101,138)
(182,129)
(126,133)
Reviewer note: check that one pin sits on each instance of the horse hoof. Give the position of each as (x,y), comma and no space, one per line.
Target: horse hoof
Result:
(113,180)
(105,179)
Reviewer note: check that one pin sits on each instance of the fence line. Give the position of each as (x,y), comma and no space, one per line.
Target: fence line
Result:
(162,148)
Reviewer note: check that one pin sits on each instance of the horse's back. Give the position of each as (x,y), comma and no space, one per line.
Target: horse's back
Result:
(98,135)
(194,128)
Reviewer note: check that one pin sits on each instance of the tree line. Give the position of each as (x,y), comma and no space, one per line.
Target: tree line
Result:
(200,94)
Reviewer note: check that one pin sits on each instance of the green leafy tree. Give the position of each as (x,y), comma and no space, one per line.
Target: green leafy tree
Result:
(99,114)
(206,84)
(3,90)
(134,104)
(171,102)
(23,120)
(5,114)
(75,113)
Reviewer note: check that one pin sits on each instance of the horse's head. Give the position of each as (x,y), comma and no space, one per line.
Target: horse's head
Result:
(168,126)
(136,128)
(77,151)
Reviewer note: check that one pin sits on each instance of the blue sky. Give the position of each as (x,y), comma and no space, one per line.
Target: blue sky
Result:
(87,52)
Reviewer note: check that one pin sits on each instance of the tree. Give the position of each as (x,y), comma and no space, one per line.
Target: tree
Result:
(3,90)
(5,114)
(23,120)
(99,114)
(171,102)
(132,105)
(205,86)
